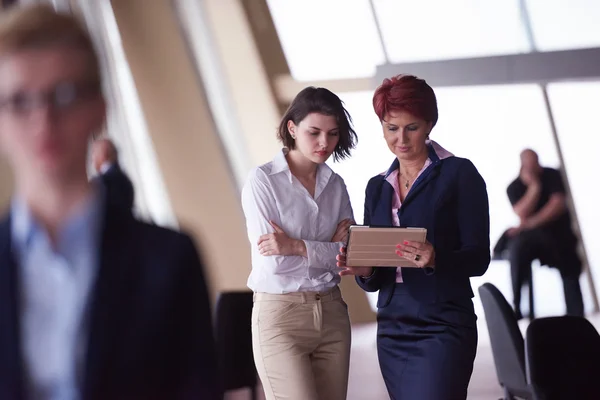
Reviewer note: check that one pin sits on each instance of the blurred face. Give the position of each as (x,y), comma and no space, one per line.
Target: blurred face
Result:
(405,135)
(529,161)
(48,111)
(316,136)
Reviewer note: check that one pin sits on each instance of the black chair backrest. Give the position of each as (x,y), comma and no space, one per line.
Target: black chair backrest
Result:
(563,358)
(233,335)
(506,339)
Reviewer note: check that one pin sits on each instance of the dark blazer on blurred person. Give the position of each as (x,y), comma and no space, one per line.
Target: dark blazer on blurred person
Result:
(119,188)
(149,331)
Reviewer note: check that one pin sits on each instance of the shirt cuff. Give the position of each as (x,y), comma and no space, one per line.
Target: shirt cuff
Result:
(321,257)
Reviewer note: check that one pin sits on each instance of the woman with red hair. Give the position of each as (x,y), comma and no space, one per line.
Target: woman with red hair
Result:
(427,332)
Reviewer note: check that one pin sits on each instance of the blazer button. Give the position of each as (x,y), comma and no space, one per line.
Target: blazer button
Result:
(318,297)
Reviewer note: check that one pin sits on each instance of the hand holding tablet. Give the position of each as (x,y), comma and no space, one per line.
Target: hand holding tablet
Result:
(377,247)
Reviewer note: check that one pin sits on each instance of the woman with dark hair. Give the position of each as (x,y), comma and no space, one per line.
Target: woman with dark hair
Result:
(427,332)
(298,213)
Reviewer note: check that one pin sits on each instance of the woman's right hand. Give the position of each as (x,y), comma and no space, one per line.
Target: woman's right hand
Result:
(363,272)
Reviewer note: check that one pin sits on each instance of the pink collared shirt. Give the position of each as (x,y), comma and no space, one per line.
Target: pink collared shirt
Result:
(392,178)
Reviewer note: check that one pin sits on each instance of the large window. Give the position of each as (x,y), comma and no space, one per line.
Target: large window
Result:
(327,39)
(565,24)
(490,126)
(440,29)
(575,107)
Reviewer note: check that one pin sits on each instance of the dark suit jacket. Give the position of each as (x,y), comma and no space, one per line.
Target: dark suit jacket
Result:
(119,189)
(450,200)
(150,332)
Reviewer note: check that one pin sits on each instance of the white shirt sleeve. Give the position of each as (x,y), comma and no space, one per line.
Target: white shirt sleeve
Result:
(324,254)
(346,209)
(259,207)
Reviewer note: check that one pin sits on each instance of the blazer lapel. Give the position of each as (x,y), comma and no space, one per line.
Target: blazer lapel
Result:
(11,372)
(113,285)
(428,175)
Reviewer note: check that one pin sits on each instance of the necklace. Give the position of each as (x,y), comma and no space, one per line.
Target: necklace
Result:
(407,183)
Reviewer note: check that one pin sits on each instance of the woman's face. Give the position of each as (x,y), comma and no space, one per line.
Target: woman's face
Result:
(316,136)
(405,135)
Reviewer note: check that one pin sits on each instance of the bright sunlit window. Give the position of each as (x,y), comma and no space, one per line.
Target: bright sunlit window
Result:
(575,106)
(327,39)
(565,24)
(439,29)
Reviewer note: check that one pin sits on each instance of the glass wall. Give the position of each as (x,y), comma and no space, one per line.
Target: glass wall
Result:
(439,29)
(329,39)
(564,24)
(575,109)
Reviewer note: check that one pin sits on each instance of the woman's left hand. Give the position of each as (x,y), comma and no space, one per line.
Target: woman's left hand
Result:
(422,254)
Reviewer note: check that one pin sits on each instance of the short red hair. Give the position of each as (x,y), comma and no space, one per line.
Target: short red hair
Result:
(406,93)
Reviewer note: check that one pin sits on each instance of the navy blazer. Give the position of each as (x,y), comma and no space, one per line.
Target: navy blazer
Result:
(119,189)
(150,331)
(450,200)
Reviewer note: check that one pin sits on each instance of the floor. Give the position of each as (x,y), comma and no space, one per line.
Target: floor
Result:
(366,383)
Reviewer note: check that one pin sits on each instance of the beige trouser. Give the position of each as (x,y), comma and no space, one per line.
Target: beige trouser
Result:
(301,345)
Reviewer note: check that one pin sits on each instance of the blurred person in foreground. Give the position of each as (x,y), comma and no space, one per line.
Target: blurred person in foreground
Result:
(426,324)
(545,232)
(119,189)
(93,304)
(298,213)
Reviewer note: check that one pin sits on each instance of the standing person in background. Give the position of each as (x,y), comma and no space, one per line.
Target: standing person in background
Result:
(545,232)
(119,189)
(426,324)
(94,304)
(298,212)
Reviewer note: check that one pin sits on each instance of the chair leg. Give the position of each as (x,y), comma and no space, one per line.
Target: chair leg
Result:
(531,305)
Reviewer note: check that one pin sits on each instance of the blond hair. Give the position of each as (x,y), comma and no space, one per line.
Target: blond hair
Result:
(40,26)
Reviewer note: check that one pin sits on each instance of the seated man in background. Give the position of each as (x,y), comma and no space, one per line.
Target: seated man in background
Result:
(545,232)
(93,304)
(119,189)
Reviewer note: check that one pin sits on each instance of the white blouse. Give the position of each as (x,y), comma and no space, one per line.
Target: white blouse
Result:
(272,193)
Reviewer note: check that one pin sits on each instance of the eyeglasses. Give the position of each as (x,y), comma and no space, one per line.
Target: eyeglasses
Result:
(60,98)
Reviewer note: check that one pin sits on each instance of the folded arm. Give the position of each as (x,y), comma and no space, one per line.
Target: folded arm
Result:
(553,209)
(307,258)
(525,206)
(324,253)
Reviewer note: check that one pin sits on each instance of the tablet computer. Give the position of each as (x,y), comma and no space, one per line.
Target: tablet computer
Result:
(376,247)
